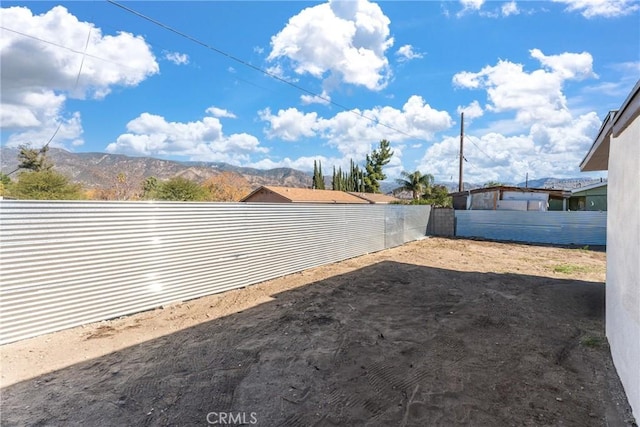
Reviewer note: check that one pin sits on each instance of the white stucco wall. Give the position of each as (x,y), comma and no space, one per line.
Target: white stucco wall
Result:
(623,260)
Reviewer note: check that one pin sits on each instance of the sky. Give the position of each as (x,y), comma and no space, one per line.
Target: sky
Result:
(269,84)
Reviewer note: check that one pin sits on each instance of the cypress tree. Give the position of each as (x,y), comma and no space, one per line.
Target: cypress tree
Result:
(315,183)
(320,183)
(333,179)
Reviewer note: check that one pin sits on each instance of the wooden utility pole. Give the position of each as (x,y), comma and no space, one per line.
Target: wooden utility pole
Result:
(460,182)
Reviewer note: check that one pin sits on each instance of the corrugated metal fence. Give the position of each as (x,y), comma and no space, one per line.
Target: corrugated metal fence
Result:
(65,264)
(560,228)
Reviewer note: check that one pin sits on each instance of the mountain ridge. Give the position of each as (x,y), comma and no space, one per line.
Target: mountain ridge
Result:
(100,170)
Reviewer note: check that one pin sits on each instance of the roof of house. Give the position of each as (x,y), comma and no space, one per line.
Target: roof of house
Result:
(597,158)
(375,197)
(553,193)
(308,195)
(589,187)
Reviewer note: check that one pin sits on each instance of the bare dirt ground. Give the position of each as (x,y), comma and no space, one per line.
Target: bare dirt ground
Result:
(436,332)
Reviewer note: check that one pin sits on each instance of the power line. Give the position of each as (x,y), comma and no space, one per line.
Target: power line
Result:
(256,68)
(65,47)
(481,150)
(75,86)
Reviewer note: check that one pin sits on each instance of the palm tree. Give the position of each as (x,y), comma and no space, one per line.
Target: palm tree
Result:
(415,182)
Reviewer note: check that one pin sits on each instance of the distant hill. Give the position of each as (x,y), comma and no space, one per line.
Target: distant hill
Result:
(555,183)
(99,170)
(558,183)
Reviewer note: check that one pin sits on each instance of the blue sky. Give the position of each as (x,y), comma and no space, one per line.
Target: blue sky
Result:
(534,79)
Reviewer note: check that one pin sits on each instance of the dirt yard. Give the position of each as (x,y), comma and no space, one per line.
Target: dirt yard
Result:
(437,332)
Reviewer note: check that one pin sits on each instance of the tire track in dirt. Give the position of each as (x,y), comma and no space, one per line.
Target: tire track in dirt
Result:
(339,402)
(384,376)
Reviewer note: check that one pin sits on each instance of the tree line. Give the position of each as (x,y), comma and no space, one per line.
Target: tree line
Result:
(362,180)
(367,180)
(38,181)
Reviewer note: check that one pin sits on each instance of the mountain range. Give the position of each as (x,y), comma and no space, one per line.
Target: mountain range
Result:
(99,170)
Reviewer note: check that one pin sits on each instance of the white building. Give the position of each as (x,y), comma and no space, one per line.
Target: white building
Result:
(617,150)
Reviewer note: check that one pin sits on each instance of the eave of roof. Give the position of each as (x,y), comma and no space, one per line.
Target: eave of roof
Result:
(615,123)
(597,158)
(589,187)
(628,112)
(552,192)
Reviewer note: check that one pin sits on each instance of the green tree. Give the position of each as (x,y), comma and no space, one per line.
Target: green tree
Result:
(438,196)
(334,179)
(321,176)
(181,189)
(416,182)
(373,167)
(45,185)
(5,181)
(492,184)
(149,187)
(33,159)
(318,179)
(353,180)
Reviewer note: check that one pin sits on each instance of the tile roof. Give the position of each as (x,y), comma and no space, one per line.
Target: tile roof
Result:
(376,197)
(308,195)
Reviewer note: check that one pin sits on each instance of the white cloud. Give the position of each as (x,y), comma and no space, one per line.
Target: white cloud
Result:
(353,50)
(469,6)
(543,138)
(304,163)
(576,66)
(406,53)
(220,112)
(324,99)
(40,71)
(472,4)
(289,124)
(355,133)
(543,151)
(533,96)
(601,8)
(276,70)
(510,8)
(622,82)
(471,111)
(153,135)
(354,136)
(66,130)
(630,67)
(177,58)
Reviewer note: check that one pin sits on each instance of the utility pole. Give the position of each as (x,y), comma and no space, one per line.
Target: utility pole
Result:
(460,182)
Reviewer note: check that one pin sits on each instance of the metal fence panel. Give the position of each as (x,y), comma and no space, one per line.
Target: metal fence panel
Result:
(64,264)
(414,225)
(561,228)
(394,226)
